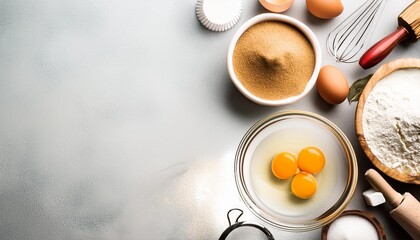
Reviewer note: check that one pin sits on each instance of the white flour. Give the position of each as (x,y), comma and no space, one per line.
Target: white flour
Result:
(391,121)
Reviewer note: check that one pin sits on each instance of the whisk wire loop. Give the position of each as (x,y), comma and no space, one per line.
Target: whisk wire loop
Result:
(350,37)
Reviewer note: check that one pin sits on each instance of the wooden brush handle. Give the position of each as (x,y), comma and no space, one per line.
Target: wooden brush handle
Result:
(378,182)
(381,49)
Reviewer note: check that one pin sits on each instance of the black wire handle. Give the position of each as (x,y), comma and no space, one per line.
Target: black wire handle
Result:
(238,224)
(237,219)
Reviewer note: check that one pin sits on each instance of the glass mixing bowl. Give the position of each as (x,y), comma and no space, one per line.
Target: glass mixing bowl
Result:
(269,198)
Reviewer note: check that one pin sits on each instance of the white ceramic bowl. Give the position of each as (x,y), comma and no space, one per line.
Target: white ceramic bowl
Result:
(281,18)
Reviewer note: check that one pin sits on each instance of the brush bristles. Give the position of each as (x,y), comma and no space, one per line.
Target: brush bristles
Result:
(410,19)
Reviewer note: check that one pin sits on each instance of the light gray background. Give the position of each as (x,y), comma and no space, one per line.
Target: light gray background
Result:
(119,121)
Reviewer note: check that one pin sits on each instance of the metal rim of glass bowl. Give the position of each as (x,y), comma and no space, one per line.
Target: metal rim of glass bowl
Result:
(332,212)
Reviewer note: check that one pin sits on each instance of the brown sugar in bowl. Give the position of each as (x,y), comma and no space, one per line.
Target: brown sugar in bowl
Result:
(270,76)
(382,72)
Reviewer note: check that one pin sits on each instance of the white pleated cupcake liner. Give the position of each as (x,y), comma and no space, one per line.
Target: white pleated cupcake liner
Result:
(217,27)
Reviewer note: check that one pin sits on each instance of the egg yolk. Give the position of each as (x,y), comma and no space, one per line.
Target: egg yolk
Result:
(304,185)
(311,160)
(284,165)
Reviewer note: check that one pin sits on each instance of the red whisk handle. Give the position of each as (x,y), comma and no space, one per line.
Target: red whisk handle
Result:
(381,49)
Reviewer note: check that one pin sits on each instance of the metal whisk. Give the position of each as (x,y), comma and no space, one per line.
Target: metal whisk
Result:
(346,42)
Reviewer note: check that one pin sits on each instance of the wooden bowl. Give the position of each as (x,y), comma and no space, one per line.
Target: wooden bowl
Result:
(383,71)
(376,224)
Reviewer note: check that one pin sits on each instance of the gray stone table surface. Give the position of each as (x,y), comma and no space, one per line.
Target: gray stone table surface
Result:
(118,119)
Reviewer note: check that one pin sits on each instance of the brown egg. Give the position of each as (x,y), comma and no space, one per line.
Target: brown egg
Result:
(332,85)
(325,9)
